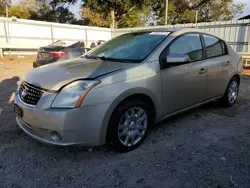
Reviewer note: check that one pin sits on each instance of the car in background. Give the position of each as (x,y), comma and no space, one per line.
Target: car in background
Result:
(97,43)
(57,51)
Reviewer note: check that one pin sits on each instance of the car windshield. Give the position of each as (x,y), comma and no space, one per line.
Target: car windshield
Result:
(132,47)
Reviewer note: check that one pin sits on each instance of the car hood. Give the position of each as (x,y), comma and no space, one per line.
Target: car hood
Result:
(56,75)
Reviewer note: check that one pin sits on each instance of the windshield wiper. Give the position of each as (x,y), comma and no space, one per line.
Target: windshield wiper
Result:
(99,57)
(95,57)
(88,57)
(111,59)
(102,57)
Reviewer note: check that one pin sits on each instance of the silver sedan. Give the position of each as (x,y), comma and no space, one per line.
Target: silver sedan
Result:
(116,91)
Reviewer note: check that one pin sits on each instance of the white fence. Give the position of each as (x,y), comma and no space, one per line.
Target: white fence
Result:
(31,33)
(22,33)
(236,32)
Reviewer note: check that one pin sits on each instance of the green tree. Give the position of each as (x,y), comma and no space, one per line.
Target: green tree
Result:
(120,8)
(50,10)
(138,17)
(3,4)
(183,11)
(219,10)
(19,12)
(95,19)
(63,15)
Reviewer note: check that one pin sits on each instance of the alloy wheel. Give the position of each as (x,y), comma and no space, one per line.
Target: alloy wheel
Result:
(132,126)
(233,91)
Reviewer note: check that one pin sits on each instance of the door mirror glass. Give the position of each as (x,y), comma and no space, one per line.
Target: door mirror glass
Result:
(177,59)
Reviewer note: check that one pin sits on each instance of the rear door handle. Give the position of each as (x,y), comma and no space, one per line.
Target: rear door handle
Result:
(202,71)
(228,63)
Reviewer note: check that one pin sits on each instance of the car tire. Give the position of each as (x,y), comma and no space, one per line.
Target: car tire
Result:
(34,65)
(231,94)
(127,130)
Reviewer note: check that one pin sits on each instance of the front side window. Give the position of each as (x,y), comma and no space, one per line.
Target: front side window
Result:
(189,44)
(132,47)
(214,46)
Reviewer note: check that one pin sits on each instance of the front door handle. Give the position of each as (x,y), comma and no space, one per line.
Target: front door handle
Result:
(228,63)
(202,71)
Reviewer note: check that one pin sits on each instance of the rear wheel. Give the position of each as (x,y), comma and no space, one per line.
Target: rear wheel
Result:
(129,125)
(34,65)
(231,93)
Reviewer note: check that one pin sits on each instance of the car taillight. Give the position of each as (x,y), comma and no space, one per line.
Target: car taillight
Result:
(58,54)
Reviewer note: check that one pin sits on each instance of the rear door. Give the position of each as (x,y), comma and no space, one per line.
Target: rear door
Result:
(218,64)
(183,84)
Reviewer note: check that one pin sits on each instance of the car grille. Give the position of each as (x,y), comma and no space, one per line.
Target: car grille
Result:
(30,94)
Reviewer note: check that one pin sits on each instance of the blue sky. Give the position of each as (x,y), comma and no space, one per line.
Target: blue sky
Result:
(246,10)
(75,9)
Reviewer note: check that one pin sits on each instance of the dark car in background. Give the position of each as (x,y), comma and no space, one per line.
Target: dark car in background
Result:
(57,51)
(95,44)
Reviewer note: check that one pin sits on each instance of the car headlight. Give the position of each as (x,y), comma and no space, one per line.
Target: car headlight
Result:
(72,95)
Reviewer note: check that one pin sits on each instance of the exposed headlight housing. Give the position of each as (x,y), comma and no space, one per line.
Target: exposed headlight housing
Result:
(72,95)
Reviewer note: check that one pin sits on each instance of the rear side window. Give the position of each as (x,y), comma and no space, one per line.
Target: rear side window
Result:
(214,46)
(189,44)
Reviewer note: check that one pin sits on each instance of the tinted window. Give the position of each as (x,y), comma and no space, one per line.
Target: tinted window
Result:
(131,47)
(189,44)
(215,47)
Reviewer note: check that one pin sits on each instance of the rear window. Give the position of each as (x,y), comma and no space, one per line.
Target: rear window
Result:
(214,46)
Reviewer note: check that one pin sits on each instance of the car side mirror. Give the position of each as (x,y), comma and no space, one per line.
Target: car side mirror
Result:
(173,59)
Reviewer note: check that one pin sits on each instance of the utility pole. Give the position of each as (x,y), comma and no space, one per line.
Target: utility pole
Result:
(113,19)
(196,19)
(7,16)
(166,13)
(7,11)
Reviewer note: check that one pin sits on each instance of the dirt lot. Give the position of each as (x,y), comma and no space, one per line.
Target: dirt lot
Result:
(206,147)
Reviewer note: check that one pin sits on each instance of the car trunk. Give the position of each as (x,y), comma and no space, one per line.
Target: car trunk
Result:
(44,53)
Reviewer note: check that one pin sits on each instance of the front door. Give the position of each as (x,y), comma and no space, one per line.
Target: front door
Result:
(183,84)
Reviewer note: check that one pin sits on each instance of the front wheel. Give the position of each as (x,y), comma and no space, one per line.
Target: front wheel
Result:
(129,125)
(231,93)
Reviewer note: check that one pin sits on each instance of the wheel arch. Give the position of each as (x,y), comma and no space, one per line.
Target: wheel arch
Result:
(237,76)
(135,93)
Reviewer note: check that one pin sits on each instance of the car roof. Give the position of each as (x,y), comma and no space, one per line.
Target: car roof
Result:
(157,30)
(175,30)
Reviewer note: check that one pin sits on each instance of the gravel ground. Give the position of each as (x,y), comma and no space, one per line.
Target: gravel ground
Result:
(206,147)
